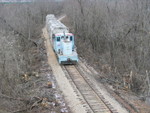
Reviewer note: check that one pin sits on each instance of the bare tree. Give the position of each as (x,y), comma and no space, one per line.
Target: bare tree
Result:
(116,31)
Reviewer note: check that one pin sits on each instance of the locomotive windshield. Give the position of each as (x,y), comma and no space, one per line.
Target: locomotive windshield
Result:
(71,38)
(64,38)
(58,39)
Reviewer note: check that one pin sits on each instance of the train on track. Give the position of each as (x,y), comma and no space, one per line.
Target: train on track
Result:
(63,42)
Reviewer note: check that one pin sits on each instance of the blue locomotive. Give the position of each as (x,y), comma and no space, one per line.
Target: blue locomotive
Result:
(62,41)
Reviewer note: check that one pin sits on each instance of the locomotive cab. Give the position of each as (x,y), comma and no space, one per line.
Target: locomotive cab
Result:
(64,47)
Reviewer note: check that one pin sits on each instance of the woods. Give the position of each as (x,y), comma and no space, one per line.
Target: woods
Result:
(22,52)
(114,33)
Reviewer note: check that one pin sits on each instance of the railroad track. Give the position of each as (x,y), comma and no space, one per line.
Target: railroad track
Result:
(93,98)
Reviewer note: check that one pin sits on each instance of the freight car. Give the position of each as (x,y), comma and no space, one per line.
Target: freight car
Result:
(62,41)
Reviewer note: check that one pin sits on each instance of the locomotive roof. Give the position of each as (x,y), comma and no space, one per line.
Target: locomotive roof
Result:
(56,23)
(61,34)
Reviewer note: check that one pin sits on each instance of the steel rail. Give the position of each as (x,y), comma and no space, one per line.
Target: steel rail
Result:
(97,97)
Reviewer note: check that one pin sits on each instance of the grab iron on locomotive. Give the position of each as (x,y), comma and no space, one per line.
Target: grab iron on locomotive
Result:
(62,41)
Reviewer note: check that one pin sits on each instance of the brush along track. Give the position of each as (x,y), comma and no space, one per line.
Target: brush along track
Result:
(123,102)
(93,97)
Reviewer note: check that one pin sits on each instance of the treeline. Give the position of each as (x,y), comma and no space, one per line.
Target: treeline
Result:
(118,34)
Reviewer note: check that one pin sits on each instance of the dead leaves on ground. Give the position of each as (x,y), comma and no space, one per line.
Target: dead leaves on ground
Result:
(43,103)
(27,76)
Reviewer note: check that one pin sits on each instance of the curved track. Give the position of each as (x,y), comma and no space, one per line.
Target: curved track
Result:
(93,98)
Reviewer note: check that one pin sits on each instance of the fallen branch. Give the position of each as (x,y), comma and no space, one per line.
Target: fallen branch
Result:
(18,111)
(36,103)
(8,97)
